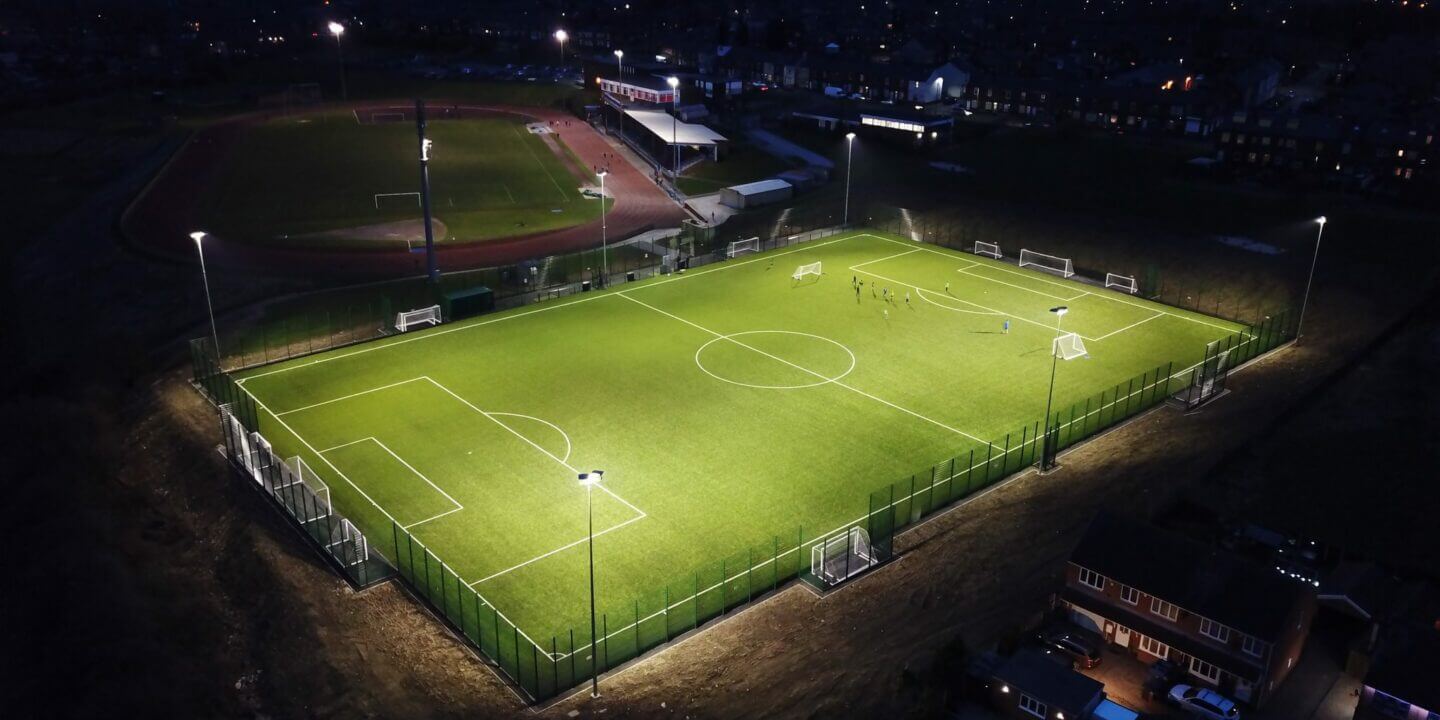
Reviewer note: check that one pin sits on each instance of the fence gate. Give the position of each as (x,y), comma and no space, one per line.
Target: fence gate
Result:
(1207,380)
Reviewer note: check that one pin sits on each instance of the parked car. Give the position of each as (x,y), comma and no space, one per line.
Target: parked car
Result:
(1205,703)
(1070,642)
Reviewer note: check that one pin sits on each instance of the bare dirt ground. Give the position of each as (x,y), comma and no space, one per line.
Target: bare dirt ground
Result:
(144,579)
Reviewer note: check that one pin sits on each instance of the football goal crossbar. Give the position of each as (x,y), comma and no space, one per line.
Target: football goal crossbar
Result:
(807,269)
(379,196)
(1121,282)
(987,249)
(410,318)
(1050,263)
(743,246)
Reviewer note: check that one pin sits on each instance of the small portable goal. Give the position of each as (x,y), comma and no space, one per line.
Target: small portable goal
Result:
(987,249)
(842,557)
(410,318)
(1122,283)
(739,247)
(1069,346)
(1049,263)
(807,269)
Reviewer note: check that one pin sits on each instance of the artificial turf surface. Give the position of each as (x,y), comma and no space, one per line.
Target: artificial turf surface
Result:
(729,406)
(298,180)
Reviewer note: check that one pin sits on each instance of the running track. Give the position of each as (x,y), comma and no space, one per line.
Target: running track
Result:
(161,218)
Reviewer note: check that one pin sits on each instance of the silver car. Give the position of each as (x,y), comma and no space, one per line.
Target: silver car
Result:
(1205,703)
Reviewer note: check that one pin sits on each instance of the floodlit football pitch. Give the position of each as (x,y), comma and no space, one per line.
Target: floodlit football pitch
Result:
(726,405)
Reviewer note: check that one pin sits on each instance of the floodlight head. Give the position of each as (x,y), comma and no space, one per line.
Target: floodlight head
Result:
(336,29)
(672,81)
(592,478)
(561,35)
(1320,220)
(601,174)
(197,236)
(1060,310)
(849,136)
(619,53)
(425,146)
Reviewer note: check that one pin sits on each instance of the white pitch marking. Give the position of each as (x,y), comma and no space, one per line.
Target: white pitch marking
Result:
(801,368)
(347,397)
(560,549)
(1131,325)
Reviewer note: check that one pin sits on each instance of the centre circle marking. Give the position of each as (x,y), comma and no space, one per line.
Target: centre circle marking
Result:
(817,383)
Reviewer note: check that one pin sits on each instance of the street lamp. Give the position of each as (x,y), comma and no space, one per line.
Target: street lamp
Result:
(674,83)
(1045,457)
(604,258)
(590,480)
(620,78)
(1318,234)
(337,30)
(198,236)
(849,151)
(562,36)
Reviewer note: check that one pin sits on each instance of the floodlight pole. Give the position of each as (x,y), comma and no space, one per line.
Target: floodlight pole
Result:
(589,480)
(1310,279)
(604,256)
(562,36)
(337,30)
(432,268)
(674,84)
(620,78)
(849,152)
(198,236)
(1045,459)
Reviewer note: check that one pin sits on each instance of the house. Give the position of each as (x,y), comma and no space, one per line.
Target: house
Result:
(1231,624)
(1404,678)
(946,81)
(1031,684)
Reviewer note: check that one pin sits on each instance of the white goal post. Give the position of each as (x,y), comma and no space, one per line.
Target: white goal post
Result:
(987,249)
(807,269)
(1069,346)
(1121,282)
(841,557)
(1051,263)
(410,318)
(743,246)
(378,196)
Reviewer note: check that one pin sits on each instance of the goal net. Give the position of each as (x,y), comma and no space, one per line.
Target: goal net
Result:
(410,318)
(390,201)
(807,269)
(1121,282)
(743,246)
(987,249)
(841,557)
(1069,346)
(1050,263)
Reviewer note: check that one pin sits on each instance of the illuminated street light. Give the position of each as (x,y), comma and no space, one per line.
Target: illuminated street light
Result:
(198,236)
(1318,234)
(337,30)
(674,83)
(562,36)
(849,152)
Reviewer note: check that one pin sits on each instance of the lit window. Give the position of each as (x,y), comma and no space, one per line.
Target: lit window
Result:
(1164,609)
(1090,578)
